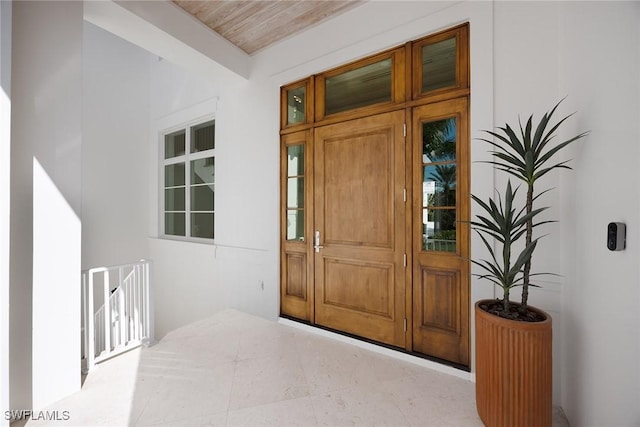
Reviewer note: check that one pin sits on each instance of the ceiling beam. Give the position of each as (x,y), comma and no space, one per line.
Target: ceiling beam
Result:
(166,30)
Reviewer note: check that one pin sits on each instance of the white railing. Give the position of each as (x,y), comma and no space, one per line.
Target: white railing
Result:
(123,319)
(444,245)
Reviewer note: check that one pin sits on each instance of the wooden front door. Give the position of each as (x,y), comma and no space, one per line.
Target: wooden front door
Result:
(359,227)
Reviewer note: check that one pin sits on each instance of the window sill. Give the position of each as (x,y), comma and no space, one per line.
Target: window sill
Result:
(197,240)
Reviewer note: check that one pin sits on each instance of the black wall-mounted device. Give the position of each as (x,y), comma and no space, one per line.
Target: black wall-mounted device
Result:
(616,236)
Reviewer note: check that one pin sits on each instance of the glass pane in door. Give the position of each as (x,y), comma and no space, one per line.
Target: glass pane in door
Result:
(295,160)
(295,105)
(439,185)
(439,230)
(295,224)
(439,141)
(295,192)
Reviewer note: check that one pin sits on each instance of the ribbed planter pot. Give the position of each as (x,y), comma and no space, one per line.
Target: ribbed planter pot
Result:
(513,370)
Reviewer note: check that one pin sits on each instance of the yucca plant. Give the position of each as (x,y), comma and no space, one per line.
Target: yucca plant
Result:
(528,157)
(506,224)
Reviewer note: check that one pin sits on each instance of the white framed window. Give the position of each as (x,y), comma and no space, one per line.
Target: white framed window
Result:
(187,171)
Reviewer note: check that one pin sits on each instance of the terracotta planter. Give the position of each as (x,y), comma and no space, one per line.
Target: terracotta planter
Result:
(513,370)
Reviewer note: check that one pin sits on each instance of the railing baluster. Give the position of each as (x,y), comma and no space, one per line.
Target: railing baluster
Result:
(127,310)
(121,316)
(118,325)
(142,322)
(135,297)
(146,303)
(83,317)
(107,312)
(91,354)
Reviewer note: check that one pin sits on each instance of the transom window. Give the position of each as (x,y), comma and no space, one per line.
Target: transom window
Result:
(188,176)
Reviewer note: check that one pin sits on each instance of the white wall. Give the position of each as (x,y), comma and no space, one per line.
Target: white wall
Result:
(185,285)
(5,180)
(115,160)
(195,280)
(45,247)
(599,67)
(589,52)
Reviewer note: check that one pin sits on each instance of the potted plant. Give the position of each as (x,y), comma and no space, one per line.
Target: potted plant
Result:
(513,340)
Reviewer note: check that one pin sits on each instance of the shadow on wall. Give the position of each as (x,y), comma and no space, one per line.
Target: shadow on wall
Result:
(56,292)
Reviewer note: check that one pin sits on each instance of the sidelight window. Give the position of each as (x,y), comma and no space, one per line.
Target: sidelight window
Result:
(295,192)
(439,179)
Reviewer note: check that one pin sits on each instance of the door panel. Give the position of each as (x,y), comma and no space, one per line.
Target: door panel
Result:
(296,270)
(358,188)
(440,293)
(441,231)
(373,280)
(359,215)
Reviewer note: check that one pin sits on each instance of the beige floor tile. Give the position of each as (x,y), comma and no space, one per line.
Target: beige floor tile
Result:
(233,369)
(434,399)
(266,380)
(358,406)
(293,412)
(188,392)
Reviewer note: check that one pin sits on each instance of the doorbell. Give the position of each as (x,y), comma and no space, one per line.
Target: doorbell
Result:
(616,236)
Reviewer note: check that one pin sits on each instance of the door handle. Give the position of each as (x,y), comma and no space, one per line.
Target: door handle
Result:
(317,245)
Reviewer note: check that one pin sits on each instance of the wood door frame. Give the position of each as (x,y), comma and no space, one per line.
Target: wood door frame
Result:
(444,264)
(296,292)
(406,96)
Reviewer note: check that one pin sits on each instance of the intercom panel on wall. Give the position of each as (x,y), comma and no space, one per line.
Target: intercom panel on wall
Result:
(616,236)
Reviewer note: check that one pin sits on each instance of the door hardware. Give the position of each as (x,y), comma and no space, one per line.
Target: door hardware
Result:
(317,245)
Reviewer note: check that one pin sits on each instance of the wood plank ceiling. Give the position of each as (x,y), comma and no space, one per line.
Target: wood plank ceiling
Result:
(257,24)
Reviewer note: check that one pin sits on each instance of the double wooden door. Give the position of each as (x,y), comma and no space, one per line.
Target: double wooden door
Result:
(362,266)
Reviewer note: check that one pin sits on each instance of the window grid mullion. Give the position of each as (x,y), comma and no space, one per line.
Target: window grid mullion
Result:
(174,160)
(187,192)
(202,154)
(173,187)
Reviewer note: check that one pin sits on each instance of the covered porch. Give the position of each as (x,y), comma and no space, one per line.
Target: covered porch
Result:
(235,369)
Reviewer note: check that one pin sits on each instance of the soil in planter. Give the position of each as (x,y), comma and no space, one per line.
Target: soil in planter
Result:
(514,313)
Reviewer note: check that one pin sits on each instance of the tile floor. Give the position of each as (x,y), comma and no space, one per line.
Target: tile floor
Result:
(235,369)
